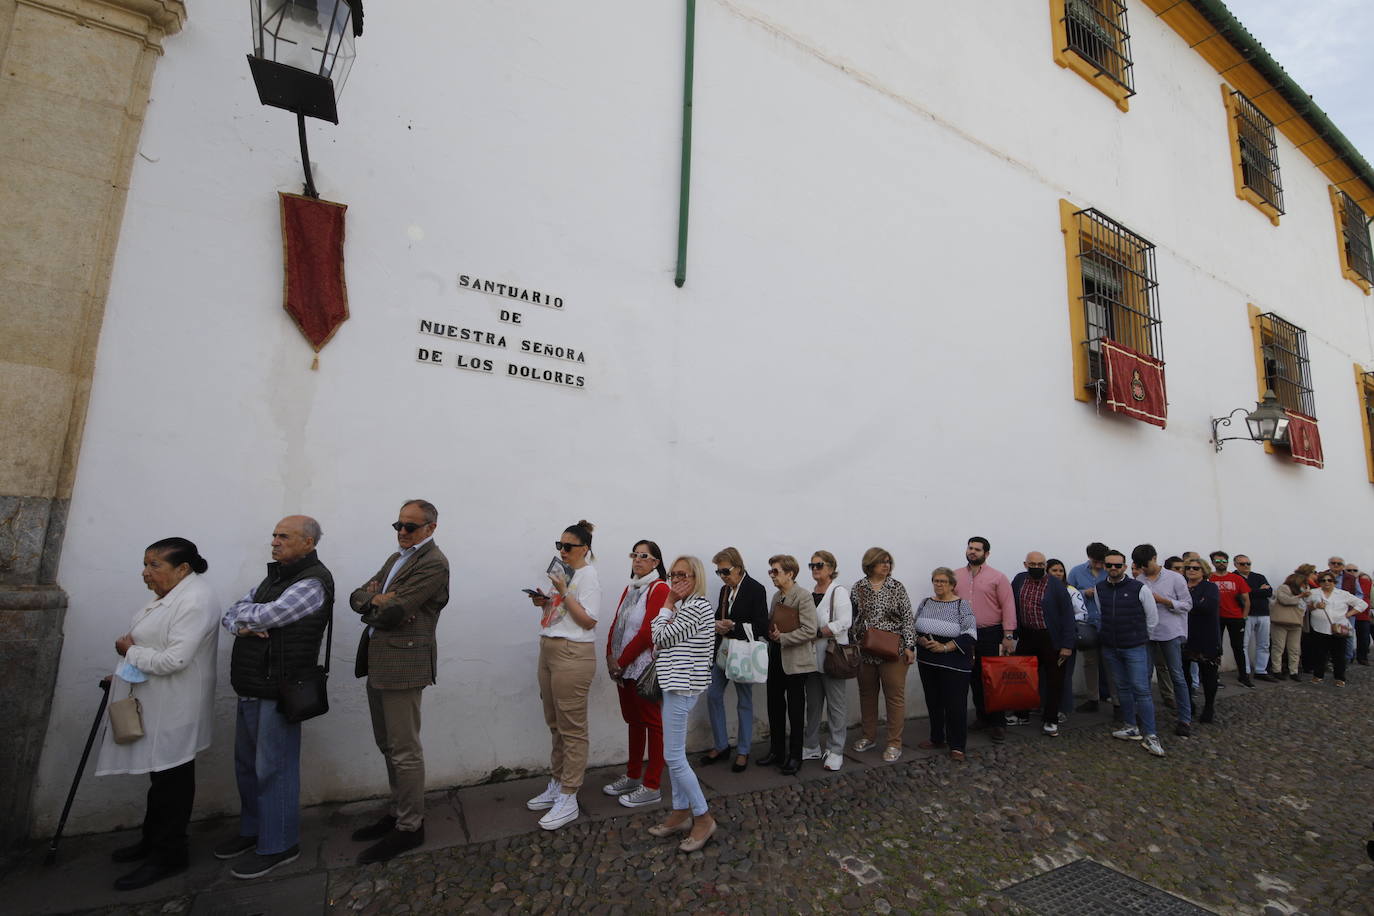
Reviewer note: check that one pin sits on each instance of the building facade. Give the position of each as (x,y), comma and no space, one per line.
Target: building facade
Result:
(915,234)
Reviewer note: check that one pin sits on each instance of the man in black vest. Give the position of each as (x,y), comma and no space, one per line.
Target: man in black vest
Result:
(277,628)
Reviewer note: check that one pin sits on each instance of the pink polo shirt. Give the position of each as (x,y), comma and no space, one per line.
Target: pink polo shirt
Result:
(990,594)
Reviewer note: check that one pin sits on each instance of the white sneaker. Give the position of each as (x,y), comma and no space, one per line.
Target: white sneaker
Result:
(1051,729)
(1152,745)
(621,786)
(833,762)
(812,753)
(546,798)
(1129,733)
(564,810)
(640,797)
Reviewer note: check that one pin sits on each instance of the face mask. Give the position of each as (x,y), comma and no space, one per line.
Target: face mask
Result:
(1036,572)
(129,674)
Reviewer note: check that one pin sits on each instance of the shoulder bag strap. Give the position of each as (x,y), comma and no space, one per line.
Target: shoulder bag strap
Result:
(328,639)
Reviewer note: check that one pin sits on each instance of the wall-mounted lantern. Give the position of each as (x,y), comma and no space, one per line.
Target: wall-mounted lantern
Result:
(1268,422)
(302,52)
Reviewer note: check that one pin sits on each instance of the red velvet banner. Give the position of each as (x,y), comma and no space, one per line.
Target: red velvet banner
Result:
(1304,441)
(1135,384)
(316,297)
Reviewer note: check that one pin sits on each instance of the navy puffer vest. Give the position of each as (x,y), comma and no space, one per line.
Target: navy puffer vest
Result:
(1123,616)
(258,666)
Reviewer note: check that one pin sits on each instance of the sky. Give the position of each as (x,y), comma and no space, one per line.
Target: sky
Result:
(1323,44)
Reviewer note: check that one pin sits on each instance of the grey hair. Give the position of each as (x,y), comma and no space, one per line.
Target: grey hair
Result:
(311,528)
(431,513)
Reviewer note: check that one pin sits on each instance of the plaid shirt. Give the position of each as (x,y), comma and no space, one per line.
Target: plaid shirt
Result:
(300,600)
(1033,603)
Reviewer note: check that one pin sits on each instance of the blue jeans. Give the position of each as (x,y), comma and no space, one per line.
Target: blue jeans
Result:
(686,790)
(744,706)
(1131,670)
(1172,652)
(267,765)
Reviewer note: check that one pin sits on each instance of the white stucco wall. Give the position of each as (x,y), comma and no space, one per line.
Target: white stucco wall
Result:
(871,347)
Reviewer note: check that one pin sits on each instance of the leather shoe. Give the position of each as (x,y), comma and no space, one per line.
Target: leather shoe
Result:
(791,767)
(392,845)
(736,766)
(375,830)
(133,853)
(146,874)
(770,759)
(713,756)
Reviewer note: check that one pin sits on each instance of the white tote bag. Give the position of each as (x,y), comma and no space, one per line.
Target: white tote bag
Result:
(747,662)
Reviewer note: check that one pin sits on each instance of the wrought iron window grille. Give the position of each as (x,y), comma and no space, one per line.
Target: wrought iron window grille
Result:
(1287,370)
(1097,31)
(1355,237)
(1120,293)
(1259,152)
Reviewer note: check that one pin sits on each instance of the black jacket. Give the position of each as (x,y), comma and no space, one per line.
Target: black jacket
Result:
(1058,608)
(751,607)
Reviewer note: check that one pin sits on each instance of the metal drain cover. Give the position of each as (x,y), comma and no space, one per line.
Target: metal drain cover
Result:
(1084,888)
(287,897)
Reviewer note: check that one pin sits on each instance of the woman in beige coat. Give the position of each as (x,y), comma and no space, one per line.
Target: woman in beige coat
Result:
(791,657)
(1285,624)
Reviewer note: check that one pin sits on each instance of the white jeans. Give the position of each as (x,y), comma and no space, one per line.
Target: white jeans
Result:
(1257,643)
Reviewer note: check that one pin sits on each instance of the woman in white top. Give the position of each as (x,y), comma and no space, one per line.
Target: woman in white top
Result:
(629,652)
(684,638)
(1331,612)
(834,614)
(567,663)
(169,667)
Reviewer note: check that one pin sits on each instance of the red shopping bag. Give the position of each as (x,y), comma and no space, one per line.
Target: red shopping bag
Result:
(1011,682)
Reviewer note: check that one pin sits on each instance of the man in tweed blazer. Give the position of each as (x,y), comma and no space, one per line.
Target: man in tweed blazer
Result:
(397,654)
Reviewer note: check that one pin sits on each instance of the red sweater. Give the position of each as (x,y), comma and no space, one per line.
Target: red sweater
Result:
(658,594)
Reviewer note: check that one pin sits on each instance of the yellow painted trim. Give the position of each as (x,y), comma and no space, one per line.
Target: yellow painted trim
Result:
(1243,191)
(1078,325)
(1365,397)
(1258,345)
(1346,270)
(1084,68)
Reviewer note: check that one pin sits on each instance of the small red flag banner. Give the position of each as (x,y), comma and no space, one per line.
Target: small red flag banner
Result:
(316,296)
(1304,442)
(1135,384)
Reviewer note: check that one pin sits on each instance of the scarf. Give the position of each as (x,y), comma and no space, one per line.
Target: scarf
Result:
(625,614)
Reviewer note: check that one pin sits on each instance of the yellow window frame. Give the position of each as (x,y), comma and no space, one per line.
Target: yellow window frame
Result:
(1243,190)
(1347,269)
(1113,85)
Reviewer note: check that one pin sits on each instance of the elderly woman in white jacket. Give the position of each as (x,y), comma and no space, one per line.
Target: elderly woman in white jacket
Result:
(169,667)
(1332,610)
(834,614)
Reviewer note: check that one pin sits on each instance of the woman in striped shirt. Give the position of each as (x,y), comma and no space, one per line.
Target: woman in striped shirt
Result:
(684,641)
(946,633)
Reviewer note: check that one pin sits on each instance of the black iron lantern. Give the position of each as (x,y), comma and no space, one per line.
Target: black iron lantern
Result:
(1268,422)
(302,52)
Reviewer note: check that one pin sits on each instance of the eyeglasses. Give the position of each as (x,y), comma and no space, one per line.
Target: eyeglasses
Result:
(775,573)
(641,556)
(1325,581)
(563,547)
(679,575)
(410,527)
(815,566)
(724,571)
(940,582)
(1198,568)
(1114,565)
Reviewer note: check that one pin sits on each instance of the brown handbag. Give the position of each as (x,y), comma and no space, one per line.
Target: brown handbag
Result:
(786,618)
(883,644)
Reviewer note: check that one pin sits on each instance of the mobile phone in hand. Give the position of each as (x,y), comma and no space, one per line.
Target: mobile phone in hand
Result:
(534,592)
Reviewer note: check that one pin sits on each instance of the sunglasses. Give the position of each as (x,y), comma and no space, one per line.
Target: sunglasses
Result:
(641,556)
(410,527)
(724,571)
(775,573)
(1325,581)
(1198,568)
(1114,565)
(563,547)
(1242,563)
(815,566)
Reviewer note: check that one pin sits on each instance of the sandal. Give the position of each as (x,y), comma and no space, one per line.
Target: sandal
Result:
(956,756)
(865,744)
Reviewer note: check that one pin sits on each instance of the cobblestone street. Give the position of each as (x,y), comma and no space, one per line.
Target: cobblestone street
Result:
(1265,811)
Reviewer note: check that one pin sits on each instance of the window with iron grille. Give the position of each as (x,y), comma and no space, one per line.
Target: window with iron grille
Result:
(1258,152)
(1120,295)
(1365,383)
(1091,38)
(1283,355)
(1355,237)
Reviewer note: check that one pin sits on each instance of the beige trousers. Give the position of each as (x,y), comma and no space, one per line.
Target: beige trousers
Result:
(566,669)
(891,676)
(396,729)
(1284,638)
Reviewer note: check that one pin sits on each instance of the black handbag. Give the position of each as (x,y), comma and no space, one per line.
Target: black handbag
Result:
(305,695)
(1087,635)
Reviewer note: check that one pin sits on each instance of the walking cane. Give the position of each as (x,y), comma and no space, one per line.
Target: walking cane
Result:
(80,768)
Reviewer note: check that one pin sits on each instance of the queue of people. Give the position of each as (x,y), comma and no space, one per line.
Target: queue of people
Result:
(667,645)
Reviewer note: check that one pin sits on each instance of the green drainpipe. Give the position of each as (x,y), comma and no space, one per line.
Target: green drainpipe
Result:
(685,186)
(1221,18)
